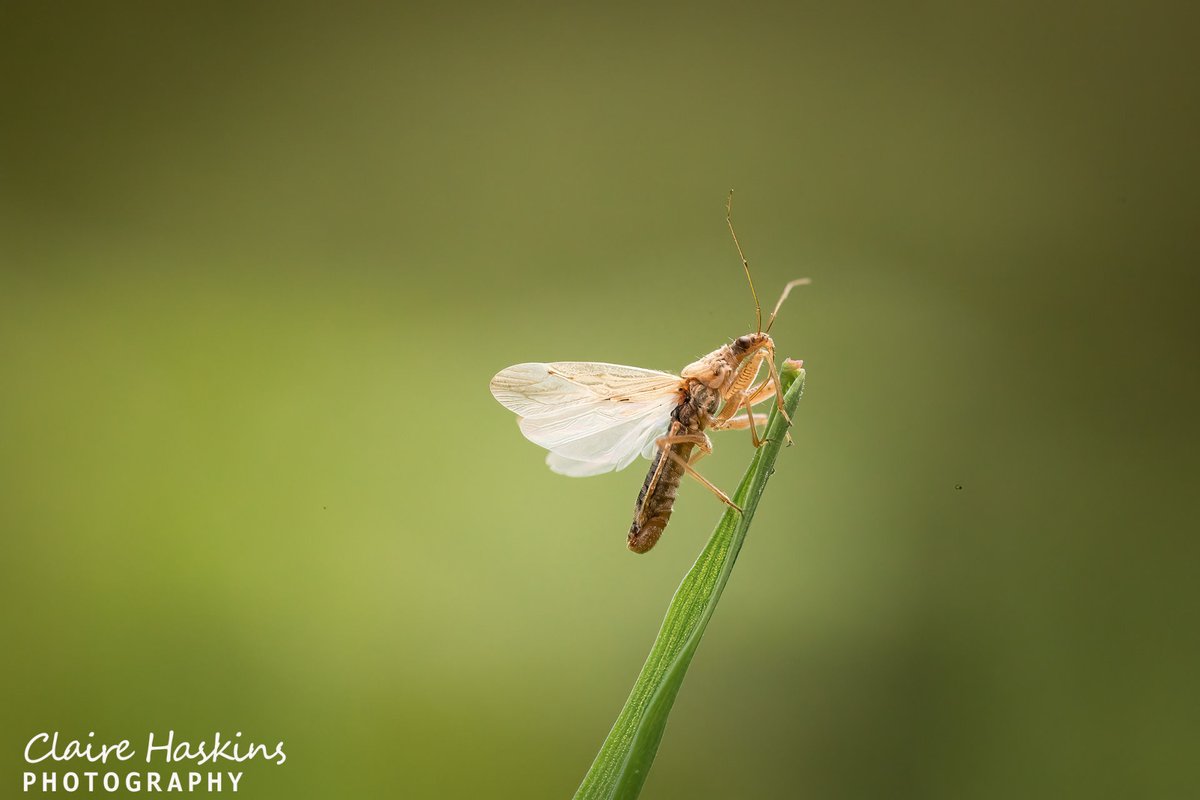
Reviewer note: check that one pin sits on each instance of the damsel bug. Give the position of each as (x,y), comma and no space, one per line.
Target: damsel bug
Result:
(595,417)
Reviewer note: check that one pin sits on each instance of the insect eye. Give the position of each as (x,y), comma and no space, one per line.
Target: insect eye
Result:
(745,341)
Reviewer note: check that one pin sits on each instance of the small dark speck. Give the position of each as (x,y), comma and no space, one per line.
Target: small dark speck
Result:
(958,486)
(325,508)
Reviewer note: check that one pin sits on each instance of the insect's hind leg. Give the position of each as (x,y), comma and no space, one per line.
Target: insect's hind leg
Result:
(649,490)
(700,439)
(705,449)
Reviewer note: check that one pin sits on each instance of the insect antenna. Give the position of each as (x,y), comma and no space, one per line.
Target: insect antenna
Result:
(786,290)
(746,264)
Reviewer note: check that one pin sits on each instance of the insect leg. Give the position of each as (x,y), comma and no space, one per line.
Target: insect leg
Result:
(704,449)
(747,396)
(746,374)
(702,440)
(751,421)
(778,385)
(738,388)
(675,426)
(740,423)
(764,391)
(753,428)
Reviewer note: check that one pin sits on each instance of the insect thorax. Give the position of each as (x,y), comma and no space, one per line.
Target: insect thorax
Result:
(701,403)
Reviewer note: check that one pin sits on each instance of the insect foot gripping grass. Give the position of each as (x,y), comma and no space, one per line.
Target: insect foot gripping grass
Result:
(624,760)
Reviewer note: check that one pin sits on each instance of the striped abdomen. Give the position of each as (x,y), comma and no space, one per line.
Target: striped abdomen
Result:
(654,503)
(657,497)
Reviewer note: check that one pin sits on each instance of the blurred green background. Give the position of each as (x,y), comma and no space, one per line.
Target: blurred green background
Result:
(259,262)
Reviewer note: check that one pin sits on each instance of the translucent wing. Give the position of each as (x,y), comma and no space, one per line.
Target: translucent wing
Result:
(592,417)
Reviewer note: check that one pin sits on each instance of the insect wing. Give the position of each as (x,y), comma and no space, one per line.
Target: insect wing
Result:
(592,417)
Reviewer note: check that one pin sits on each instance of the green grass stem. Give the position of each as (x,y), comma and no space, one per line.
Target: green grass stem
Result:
(624,760)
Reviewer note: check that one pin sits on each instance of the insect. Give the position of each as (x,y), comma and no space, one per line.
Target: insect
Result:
(595,417)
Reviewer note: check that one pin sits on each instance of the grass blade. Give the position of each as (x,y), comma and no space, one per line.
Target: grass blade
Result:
(624,759)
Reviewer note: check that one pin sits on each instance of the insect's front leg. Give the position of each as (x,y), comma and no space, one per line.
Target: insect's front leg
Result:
(741,394)
(734,396)
(764,391)
(752,397)
(778,383)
